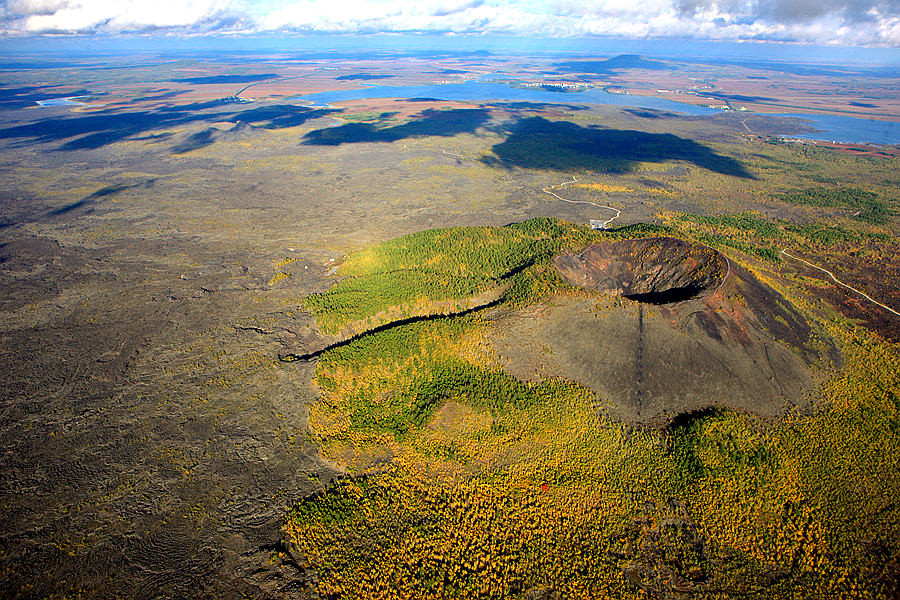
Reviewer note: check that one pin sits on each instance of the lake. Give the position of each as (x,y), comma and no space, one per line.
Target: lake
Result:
(70,101)
(830,128)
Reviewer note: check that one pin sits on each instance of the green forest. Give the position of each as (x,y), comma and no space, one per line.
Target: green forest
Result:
(465,482)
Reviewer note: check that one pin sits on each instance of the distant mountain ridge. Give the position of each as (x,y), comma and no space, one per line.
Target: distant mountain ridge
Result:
(611,65)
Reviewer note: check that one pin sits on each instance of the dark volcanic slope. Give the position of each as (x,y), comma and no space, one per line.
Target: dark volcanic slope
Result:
(702,332)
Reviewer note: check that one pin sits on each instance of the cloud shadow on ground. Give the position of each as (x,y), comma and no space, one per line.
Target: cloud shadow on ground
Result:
(652,113)
(537,143)
(198,140)
(431,122)
(28,96)
(109,190)
(99,129)
(279,116)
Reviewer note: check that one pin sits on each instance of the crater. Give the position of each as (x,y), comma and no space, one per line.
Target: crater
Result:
(660,270)
(701,332)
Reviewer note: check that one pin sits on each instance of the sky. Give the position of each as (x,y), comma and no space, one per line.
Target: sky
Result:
(821,22)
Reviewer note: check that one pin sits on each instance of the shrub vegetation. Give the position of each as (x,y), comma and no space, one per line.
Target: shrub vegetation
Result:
(468,483)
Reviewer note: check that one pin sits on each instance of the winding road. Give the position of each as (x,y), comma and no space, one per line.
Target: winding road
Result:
(839,282)
(274,80)
(603,224)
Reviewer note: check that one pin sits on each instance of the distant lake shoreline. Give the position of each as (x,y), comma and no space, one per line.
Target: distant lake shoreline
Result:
(828,127)
(68,101)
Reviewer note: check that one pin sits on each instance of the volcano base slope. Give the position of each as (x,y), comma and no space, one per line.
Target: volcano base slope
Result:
(677,328)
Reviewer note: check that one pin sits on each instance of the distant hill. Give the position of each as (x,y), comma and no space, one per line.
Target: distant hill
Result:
(611,65)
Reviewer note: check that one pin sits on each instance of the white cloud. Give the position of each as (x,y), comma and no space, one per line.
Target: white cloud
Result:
(34,7)
(853,22)
(349,16)
(118,16)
